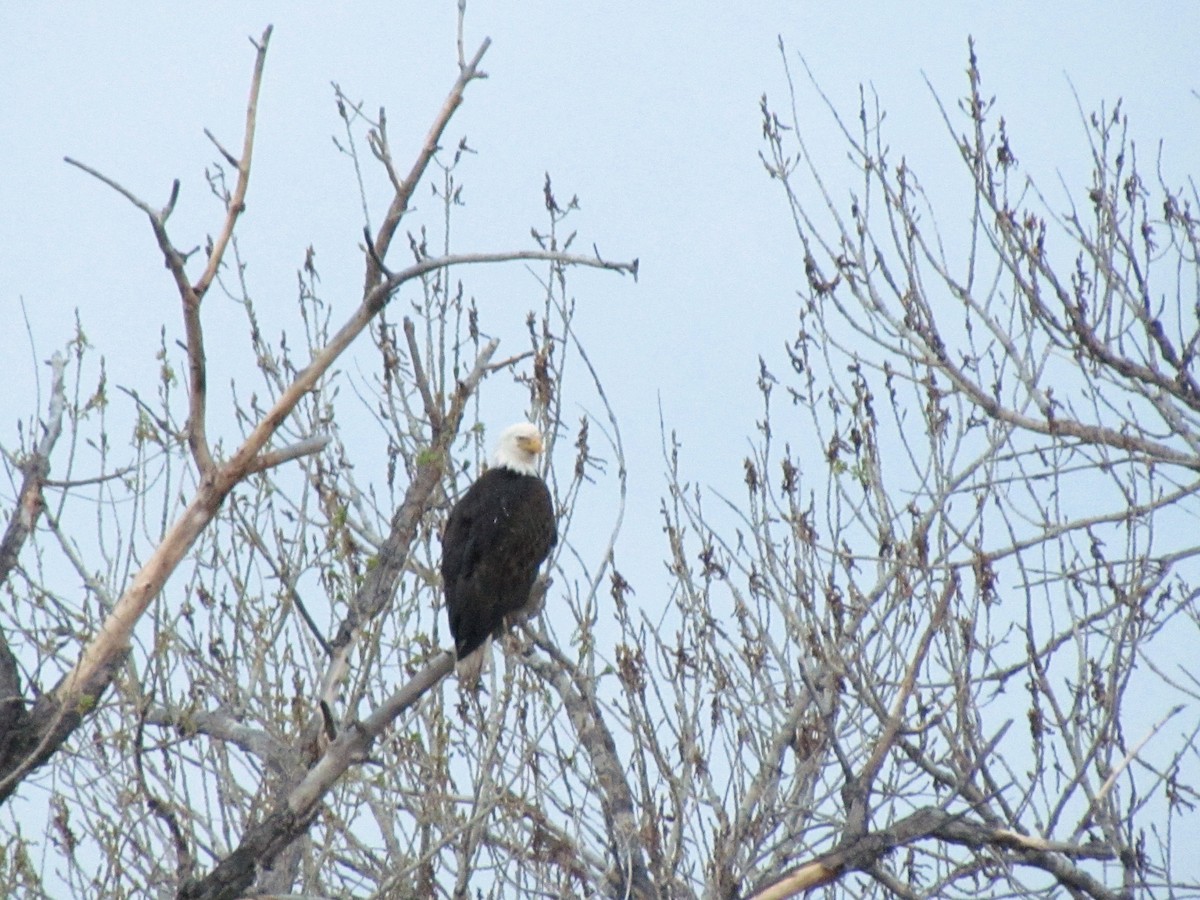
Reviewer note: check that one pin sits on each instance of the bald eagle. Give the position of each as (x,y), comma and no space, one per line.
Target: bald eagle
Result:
(495,539)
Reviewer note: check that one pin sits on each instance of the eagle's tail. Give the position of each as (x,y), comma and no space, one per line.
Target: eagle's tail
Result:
(470,667)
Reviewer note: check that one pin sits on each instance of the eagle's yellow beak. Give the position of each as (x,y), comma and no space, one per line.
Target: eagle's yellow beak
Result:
(530,443)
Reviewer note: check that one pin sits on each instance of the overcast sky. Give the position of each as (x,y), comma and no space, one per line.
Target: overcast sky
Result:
(648,112)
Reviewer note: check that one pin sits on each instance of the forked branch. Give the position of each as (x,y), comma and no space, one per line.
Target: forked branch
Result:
(192,295)
(404,190)
(864,853)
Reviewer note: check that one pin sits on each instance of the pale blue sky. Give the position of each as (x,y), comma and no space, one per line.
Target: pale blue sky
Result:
(648,112)
(650,115)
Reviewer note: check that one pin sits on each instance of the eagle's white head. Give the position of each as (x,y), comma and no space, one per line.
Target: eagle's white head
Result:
(518,448)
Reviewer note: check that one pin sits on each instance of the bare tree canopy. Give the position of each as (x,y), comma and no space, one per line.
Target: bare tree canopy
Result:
(936,647)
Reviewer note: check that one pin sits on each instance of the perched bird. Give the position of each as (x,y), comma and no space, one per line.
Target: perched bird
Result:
(495,539)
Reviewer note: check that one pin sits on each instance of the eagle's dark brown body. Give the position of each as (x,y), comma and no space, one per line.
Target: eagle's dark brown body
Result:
(495,539)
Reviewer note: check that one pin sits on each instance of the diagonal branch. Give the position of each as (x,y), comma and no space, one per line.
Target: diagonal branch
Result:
(865,851)
(263,842)
(858,790)
(414,357)
(271,458)
(404,192)
(190,294)
(380,584)
(236,204)
(856,855)
(36,466)
(219,725)
(628,873)
(29,507)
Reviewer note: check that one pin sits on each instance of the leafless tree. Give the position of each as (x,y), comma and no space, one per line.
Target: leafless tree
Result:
(194,734)
(945,654)
(935,648)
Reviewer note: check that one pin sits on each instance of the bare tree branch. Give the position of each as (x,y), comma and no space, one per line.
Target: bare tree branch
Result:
(861,853)
(263,842)
(29,506)
(190,294)
(627,875)
(399,205)
(36,467)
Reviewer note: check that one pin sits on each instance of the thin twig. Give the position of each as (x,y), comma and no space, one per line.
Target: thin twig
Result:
(1085,821)
(115,185)
(374,254)
(237,202)
(400,201)
(860,788)
(422,381)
